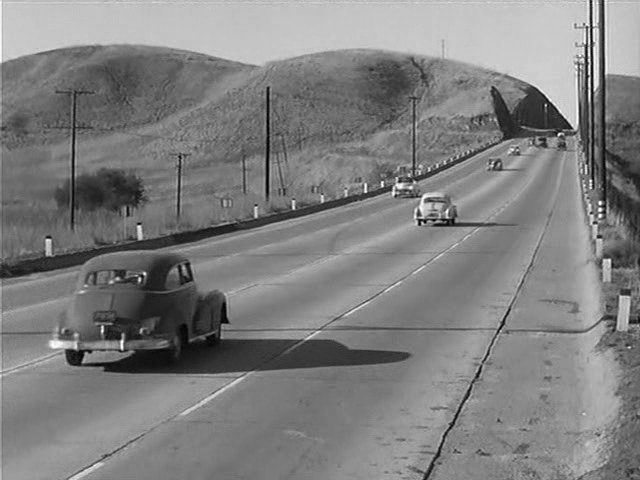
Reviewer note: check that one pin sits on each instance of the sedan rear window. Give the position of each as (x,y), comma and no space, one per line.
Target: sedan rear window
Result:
(115,277)
(434,200)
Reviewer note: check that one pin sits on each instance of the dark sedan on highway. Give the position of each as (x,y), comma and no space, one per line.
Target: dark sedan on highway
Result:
(138,300)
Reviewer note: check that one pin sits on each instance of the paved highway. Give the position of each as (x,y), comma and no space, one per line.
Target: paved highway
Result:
(354,338)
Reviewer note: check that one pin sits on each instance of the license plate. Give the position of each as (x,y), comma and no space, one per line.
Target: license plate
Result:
(108,317)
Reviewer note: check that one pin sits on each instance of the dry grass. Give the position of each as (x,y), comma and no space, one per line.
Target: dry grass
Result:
(343,115)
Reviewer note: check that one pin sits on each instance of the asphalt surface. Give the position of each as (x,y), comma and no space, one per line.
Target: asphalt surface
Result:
(354,338)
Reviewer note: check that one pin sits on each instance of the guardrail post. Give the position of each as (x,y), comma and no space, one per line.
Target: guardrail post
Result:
(598,246)
(48,246)
(139,233)
(256,213)
(346,191)
(322,198)
(365,188)
(624,309)
(606,270)
(293,204)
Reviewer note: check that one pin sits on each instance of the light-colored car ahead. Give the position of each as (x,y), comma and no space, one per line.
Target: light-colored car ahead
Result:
(494,164)
(435,207)
(138,300)
(405,187)
(514,150)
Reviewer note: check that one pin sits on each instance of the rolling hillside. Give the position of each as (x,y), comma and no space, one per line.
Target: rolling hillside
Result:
(340,115)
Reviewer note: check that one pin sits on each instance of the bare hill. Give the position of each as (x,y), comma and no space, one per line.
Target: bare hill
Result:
(337,107)
(343,117)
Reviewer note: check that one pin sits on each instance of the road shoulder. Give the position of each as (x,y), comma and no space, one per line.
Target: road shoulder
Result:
(545,402)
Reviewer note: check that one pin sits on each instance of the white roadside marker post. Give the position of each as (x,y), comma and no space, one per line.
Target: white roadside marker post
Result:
(322,198)
(624,309)
(381,183)
(365,188)
(601,211)
(48,246)
(346,191)
(599,246)
(256,213)
(606,270)
(594,230)
(293,204)
(139,233)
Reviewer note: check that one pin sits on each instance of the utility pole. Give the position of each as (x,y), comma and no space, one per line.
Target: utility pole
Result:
(603,89)
(181,156)
(244,173)
(413,99)
(442,47)
(73,93)
(587,126)
(267,150)
(579,95)
(591,90)
(546,115)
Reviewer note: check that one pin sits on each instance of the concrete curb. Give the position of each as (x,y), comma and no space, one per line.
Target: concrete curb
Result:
(66,260)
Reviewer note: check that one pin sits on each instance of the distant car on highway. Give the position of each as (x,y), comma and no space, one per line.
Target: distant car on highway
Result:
(405,187)
(138,300)
(514,150)
(561,143)
(541,142)
(434,207)
(494,164)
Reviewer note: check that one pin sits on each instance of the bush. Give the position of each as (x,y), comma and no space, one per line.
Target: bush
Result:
(108,188)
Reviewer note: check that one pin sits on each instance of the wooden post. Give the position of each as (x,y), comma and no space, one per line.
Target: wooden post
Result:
(624,309)
(599,246)
(606,270)
(48,246)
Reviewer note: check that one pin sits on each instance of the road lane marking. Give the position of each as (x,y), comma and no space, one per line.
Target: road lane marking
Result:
(29,364)
(87,471)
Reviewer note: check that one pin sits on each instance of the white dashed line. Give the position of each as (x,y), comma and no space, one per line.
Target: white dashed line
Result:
(87,471)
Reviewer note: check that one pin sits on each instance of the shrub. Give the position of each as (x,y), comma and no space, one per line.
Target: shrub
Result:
(108,188)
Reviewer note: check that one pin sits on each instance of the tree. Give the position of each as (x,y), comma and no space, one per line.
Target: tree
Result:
(108,188)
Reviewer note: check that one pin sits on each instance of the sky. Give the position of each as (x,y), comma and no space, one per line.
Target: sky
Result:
(533,40)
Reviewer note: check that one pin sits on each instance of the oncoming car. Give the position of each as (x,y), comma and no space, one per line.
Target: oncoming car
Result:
(494,164)
(435,206)
(138,300)
(514,150)
(405,187)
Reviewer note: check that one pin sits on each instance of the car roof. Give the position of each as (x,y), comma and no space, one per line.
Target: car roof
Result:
(156,264)
(435,194)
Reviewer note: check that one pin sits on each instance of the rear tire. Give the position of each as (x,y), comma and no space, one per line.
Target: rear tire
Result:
(453,221)
(74,357)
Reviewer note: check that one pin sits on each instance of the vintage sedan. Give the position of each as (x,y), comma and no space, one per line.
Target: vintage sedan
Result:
(435,207)
(405,187)
(494,164)
(138,300)
(514,150)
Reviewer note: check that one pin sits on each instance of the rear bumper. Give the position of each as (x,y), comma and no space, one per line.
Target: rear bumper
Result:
(122,345)
(431,216)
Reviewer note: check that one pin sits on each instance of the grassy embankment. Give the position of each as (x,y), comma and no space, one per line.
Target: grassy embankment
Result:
(343,116)
(623,128)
